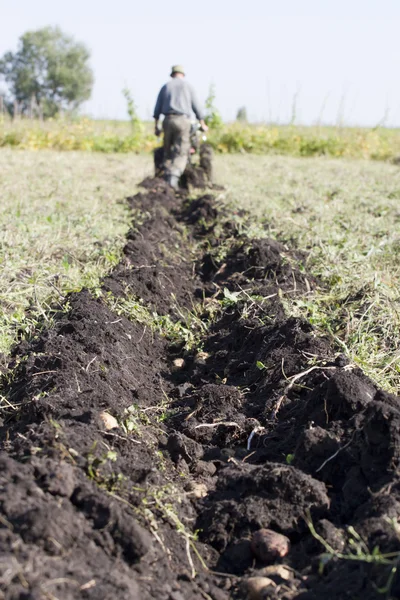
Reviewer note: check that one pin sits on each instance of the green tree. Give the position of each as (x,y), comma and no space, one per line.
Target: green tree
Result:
(49,69)
(242,115)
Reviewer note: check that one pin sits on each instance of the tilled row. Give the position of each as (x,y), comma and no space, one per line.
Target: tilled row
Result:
(261,465)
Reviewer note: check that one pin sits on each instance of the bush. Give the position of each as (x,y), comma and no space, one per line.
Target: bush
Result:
(84,134)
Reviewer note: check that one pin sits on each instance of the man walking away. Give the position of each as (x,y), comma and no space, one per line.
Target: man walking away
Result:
(177,101)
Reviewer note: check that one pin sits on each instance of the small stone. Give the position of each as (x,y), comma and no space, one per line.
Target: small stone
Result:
(205,468)
(258,586)
(217,594)
(162,439)
(201,357)
(109,421)
(268,545)
(167,589)
(199,490)
(176,596)
(227,584)
(277,571)
(177,364)
(205,586)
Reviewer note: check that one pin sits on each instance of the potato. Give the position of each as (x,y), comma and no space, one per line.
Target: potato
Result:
(268,545)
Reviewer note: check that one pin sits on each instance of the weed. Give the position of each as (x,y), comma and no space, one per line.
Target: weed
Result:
(161,499)
(136,124)
(96,467)
(186,331)
(230,298)
(134,419)
(289,458)
(213,117)
(359,551)
(161,503)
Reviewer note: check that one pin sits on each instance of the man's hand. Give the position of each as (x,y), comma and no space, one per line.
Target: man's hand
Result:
(157,129)
(203,125)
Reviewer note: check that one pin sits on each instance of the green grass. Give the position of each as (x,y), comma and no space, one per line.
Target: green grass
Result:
(119,136)
(62,227)
(346,215)
(188,330)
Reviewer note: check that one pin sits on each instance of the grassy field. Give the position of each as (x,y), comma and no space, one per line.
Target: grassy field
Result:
(118,136)
(346,215)
(62,227)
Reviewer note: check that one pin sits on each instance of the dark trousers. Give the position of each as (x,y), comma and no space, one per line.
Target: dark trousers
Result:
(176,144)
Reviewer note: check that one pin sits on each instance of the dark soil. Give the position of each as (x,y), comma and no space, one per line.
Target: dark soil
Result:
(265,427)
(198,172)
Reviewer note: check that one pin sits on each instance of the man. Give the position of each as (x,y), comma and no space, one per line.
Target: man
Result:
(177,101)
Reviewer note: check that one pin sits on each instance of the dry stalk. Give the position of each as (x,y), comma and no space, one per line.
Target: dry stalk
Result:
(252,434)
(335,454)
(292,383)
(226,423)
(43,373)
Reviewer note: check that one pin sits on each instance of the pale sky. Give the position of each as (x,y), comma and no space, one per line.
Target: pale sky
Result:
(340,57)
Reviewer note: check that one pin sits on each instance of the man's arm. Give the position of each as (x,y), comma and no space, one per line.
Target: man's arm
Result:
(157,110)
(198,110)
(157,128)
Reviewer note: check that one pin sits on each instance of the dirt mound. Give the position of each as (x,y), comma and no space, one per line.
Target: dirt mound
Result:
(249,498)
(198,174)
(136,468)
(156,269)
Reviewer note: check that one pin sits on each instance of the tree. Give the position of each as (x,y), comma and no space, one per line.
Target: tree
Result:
(50,70)
(242,115)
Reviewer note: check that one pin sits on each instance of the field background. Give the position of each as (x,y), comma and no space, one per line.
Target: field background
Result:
(117,136)
(63,220)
